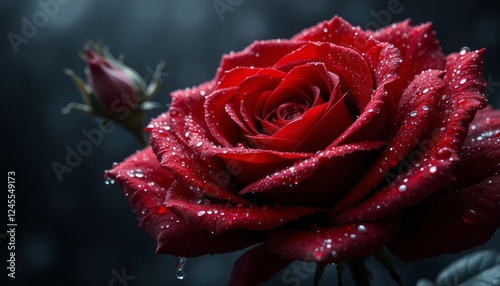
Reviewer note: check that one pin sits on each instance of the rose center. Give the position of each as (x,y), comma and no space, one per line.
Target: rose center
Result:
(285,113)
(290,111)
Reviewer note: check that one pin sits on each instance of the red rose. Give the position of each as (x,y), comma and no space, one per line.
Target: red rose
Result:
(324,147)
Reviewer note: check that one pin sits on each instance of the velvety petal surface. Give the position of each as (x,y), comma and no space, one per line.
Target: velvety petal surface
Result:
(468,210)
(332,245)
(146,185)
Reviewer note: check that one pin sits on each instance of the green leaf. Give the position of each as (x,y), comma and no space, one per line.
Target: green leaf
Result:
(489,277)
(424,282)
(478,268)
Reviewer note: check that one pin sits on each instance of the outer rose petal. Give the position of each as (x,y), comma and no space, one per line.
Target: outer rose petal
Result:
(255,266)
(220,218)
(146,184)
(418,45)
(415,113)
(310,182)
(332,245)
(469,210)
(179,159)
(437,150)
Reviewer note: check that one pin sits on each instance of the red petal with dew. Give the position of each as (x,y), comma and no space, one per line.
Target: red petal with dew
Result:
(146,185)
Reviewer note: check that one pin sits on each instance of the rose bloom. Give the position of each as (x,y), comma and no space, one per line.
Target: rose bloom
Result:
(324,147)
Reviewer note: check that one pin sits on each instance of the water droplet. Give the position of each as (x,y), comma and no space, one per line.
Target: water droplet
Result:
(200,213)
(425,91)
(462,102)
(414,113)
(408,126)
(469,216)
(161,209)
(174,113)
(352,236)
(180,262)
(109,181)
(464,50)
(433,169)
(362,229)
(462,81)
(138,173)
(425,108)
(443,153)
(402,188)
(199,144)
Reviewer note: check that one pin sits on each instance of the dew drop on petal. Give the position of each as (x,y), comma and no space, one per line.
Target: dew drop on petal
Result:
(352,236)
(138,173)
(200,213)
(462,102)
(413,113)
(180,262)
(469,216)
(425,108)
(464,50)
(462,81)
(433,169)
(402,188)
(199,144)
(443,153)
(362,229)
(425,91)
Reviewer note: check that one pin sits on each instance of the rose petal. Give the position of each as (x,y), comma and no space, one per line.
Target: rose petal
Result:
(146,184)
(418,45)
(349,66)
(412,114)
(371,125)
(220,218)
(469,209)
(332,245)
(256,266)
(184,165)
(258,54)
(245,164)
(309,182)
(437,149)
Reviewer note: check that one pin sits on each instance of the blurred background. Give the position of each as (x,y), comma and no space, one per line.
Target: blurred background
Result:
(79,231)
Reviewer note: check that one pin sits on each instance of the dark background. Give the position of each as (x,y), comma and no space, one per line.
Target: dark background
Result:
(80,231)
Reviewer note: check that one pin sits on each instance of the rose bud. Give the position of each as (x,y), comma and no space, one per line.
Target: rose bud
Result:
(326,147)
(114,91)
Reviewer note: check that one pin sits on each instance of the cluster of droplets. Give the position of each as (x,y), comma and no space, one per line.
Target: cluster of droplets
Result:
(327,247)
